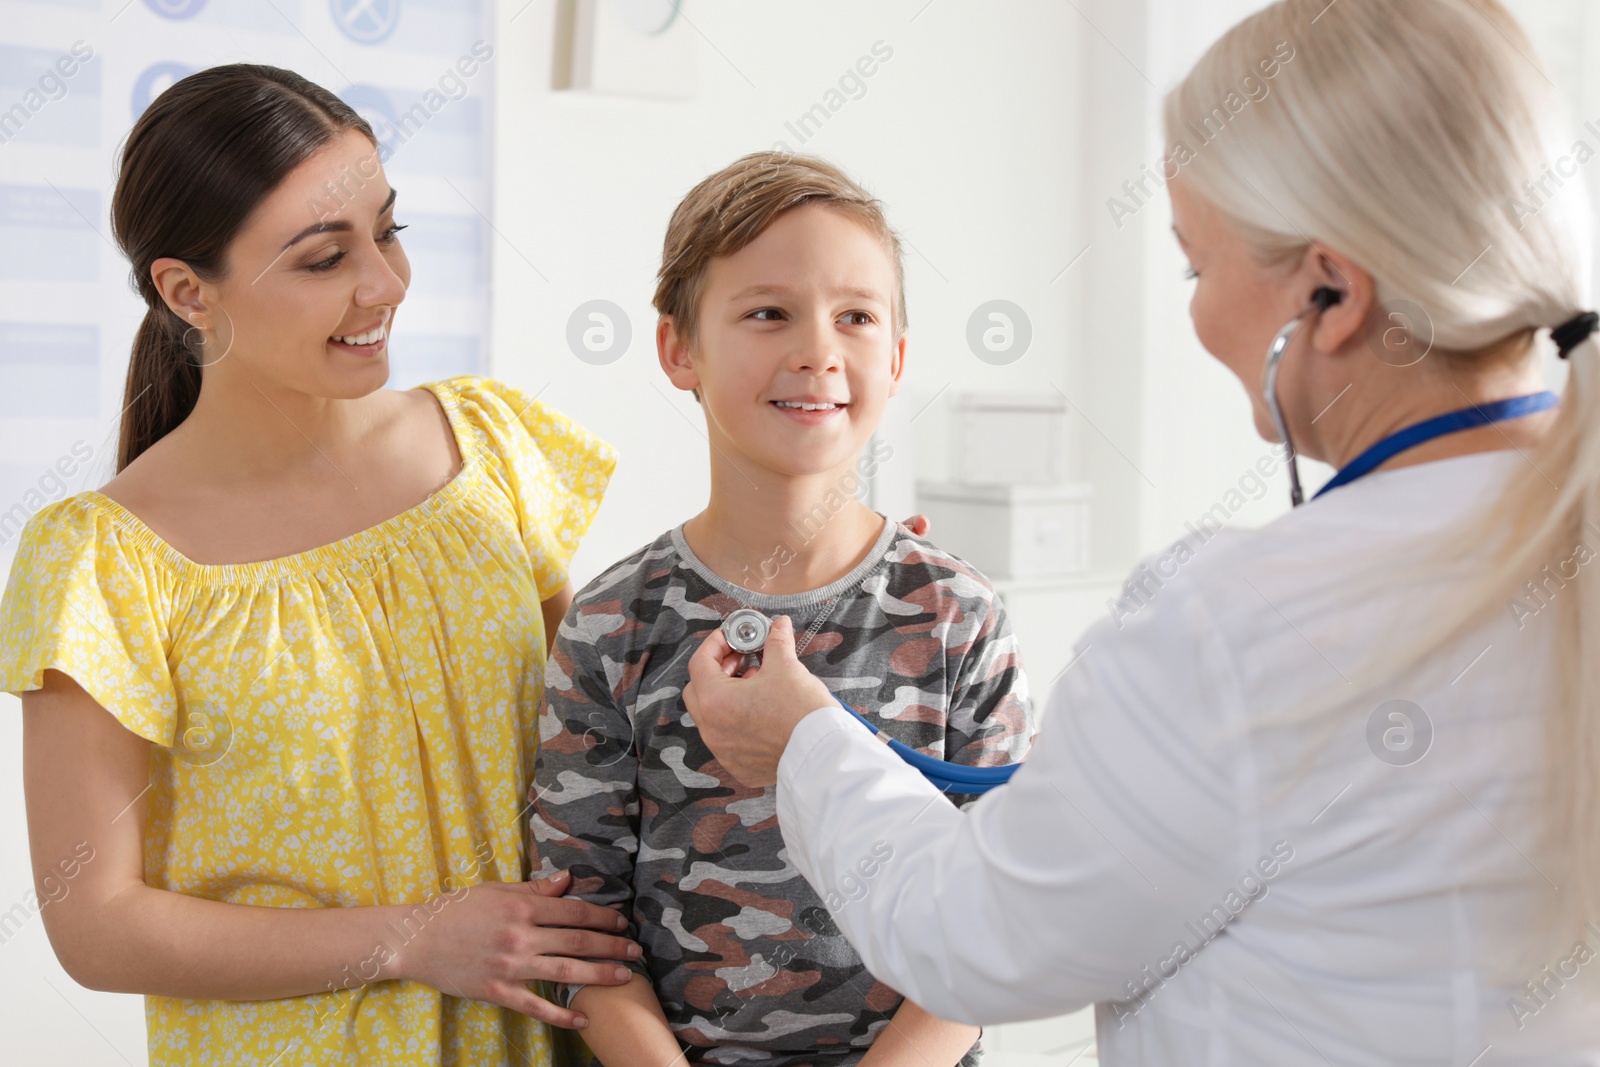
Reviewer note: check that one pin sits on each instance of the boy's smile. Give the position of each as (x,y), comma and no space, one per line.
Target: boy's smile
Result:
(811,410)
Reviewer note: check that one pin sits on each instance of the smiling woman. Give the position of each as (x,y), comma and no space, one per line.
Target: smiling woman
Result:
(281,673)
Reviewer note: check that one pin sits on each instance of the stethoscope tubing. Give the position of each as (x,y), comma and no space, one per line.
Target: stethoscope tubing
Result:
(1280,345)
(949,777)
(746,631)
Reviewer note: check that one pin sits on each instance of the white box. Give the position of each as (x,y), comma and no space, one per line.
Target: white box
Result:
(1010,439)
(1011,531)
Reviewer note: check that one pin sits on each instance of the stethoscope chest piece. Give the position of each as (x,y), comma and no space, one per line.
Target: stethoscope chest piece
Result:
(746,631)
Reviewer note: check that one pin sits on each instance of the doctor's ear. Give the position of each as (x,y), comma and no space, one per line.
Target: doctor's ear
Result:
(1344,295)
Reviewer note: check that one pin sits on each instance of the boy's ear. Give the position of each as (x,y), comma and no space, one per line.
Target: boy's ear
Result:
(898,366)
(674,355)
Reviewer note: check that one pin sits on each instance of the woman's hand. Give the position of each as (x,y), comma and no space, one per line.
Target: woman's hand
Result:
(87,782)
(488,941)
(747,721)
(917,524)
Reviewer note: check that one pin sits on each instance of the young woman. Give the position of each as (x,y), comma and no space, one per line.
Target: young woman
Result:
(279,676)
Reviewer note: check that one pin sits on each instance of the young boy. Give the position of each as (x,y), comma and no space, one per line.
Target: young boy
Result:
(782,308)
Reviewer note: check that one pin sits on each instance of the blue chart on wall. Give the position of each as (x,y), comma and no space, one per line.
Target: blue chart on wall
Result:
(75,74)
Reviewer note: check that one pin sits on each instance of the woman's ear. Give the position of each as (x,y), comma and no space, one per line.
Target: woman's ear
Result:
(180,287)
(673,352)
(1346,321)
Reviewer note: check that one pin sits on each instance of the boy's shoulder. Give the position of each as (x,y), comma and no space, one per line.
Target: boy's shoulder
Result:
(911,549)
(917,560)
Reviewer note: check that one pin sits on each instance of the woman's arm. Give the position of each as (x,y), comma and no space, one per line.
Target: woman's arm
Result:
(555,609)
(914,1038)
(85,778)
(627,1027)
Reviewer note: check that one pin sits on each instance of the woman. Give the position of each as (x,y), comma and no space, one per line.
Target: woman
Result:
(1314,801)
(279,676)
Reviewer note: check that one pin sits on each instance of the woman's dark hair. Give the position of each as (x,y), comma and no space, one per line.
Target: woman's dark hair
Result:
(193,168)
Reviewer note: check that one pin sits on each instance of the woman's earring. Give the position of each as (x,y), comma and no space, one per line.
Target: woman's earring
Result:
(191,329)
(224,355)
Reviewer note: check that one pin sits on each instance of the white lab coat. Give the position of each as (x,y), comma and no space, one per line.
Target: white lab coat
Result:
(1375,906)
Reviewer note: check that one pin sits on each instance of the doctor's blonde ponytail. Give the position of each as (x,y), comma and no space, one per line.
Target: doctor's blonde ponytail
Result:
(1422,139)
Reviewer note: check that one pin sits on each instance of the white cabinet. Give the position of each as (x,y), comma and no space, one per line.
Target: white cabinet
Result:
(1012,532)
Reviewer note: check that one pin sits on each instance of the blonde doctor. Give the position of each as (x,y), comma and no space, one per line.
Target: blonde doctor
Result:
(1331,796)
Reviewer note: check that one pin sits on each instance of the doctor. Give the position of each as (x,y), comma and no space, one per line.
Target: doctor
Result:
(1329,796)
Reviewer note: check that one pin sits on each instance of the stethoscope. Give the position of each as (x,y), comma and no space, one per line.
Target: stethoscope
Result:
(746,631)
(1453,422)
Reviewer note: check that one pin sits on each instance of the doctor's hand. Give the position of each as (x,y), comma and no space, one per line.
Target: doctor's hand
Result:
(747,721)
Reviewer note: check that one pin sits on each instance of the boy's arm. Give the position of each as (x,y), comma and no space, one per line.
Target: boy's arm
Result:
(913,1038)
(583,812)
(627,1027)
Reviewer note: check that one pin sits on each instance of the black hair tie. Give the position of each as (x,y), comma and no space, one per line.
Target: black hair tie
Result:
(1570,335)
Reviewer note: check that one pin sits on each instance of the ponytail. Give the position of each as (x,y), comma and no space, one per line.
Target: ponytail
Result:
(163,384)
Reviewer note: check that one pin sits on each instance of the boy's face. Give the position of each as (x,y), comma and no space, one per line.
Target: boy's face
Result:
(801,315)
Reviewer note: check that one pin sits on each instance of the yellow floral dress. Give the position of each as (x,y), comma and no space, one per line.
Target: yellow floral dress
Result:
(351,725)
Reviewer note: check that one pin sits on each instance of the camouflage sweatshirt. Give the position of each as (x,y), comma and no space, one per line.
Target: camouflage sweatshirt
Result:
(741,951)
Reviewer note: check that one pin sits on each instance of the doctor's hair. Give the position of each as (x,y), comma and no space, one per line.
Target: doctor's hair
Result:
(197,162)
(734,206)
(1416,137)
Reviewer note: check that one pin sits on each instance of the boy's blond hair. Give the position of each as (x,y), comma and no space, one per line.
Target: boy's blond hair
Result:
(734,206)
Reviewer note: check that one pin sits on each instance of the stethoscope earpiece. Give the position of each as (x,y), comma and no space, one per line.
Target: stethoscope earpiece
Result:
(1326,298)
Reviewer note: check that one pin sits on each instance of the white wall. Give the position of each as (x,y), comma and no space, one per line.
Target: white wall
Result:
(1193,436)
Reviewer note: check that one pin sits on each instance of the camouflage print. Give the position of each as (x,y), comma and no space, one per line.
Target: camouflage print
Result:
(742,952)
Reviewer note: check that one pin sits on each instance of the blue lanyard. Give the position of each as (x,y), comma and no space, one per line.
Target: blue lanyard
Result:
(1454,422)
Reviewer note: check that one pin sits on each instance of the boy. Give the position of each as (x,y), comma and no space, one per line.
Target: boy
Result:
(781,302)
